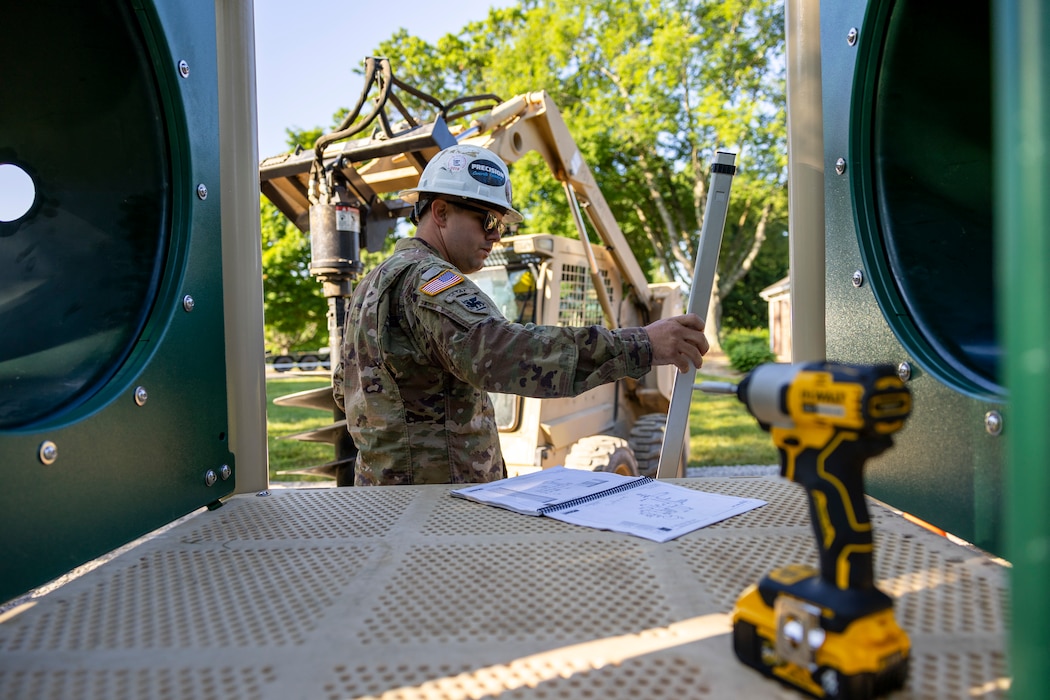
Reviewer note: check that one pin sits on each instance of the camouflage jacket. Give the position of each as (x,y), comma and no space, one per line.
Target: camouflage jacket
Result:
(423,346)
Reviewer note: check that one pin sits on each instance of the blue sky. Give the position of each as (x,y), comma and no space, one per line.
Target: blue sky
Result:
(306,52)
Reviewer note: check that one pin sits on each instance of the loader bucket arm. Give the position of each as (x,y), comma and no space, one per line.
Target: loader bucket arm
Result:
(364,175)
(527,122)
(532,122)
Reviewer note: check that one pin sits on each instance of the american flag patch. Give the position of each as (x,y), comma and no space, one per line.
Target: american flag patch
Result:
(445,280)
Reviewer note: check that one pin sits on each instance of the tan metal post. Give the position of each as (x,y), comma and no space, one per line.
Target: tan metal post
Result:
(241,236)
(676,431)
(805,179)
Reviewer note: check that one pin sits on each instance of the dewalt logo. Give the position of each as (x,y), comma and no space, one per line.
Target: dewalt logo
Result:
(825,396)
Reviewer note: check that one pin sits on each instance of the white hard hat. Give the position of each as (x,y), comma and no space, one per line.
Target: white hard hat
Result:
(467,172)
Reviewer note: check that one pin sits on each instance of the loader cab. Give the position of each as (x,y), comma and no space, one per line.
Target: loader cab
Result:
(510,280)
(545,279)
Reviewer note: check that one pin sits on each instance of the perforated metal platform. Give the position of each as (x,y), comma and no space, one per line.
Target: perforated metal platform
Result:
(407,592)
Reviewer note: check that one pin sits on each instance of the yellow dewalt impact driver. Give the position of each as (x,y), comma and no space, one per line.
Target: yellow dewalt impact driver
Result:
(830,633)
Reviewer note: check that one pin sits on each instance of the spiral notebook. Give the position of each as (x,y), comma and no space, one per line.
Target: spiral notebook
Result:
(640,506)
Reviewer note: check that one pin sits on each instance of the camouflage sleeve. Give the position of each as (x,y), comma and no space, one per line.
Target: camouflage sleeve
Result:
(337,386)
(467,334)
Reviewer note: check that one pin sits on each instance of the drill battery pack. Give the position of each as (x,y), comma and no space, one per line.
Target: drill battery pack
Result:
(825,641)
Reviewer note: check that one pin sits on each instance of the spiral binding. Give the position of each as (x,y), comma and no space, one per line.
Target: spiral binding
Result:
(595,496)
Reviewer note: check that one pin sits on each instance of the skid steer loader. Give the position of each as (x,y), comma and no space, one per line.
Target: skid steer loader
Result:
(341,192)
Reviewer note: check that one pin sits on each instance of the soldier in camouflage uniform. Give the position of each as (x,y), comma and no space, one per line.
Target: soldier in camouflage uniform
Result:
(424,345)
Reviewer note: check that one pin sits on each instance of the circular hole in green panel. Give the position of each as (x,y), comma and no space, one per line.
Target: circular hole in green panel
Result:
(922,124)
(80,268)
(17,192)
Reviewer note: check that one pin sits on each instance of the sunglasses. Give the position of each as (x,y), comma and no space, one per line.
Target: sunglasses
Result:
(491,222)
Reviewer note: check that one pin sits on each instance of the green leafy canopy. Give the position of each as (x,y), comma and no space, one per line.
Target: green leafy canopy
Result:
(650,90)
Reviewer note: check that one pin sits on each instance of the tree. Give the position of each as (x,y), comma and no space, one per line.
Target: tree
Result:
(651,90)
(293,306)
(743,308)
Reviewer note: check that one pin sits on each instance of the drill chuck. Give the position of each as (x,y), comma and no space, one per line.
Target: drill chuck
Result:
(764,391)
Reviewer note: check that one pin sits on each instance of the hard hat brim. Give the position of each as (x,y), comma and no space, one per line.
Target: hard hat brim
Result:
(510,216)
(411,196)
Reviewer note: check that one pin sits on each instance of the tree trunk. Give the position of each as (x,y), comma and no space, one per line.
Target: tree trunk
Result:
(713,320)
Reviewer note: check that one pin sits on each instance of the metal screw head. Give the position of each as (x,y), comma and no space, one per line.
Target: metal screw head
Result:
(993,422)
(840,166)
(851,36)
(141,396)
(188,303)
(48,452)
(184,69)
(904,371)
(202,191)
(210,477)
(858,278)
(225,472)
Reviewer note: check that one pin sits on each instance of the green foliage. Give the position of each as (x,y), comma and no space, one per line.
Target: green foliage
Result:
(305,138)
(743,307)
(748,348)
(293,306)
(281,421)
(723,433)
(650,90)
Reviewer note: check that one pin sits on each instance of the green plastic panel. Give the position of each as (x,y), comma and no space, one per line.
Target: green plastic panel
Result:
(1022,99)
(912,213)
(113,404)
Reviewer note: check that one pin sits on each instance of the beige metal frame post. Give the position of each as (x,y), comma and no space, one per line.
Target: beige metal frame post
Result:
(805,180)
(241,252)
(704,268)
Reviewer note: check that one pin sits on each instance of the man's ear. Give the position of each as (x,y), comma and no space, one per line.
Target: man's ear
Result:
(439,210)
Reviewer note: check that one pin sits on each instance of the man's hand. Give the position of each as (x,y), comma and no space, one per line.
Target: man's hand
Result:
(678,341)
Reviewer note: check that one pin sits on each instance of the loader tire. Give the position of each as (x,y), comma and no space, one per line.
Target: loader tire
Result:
(647,439)
(602,453)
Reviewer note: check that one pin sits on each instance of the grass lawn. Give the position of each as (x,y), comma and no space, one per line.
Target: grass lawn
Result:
(286,454)
(721,431)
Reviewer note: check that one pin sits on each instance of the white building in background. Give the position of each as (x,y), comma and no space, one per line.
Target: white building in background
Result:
(778,297)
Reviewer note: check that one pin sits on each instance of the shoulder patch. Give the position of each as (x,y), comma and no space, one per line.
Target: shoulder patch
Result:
(472,303)
(446,280)
(430,273)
